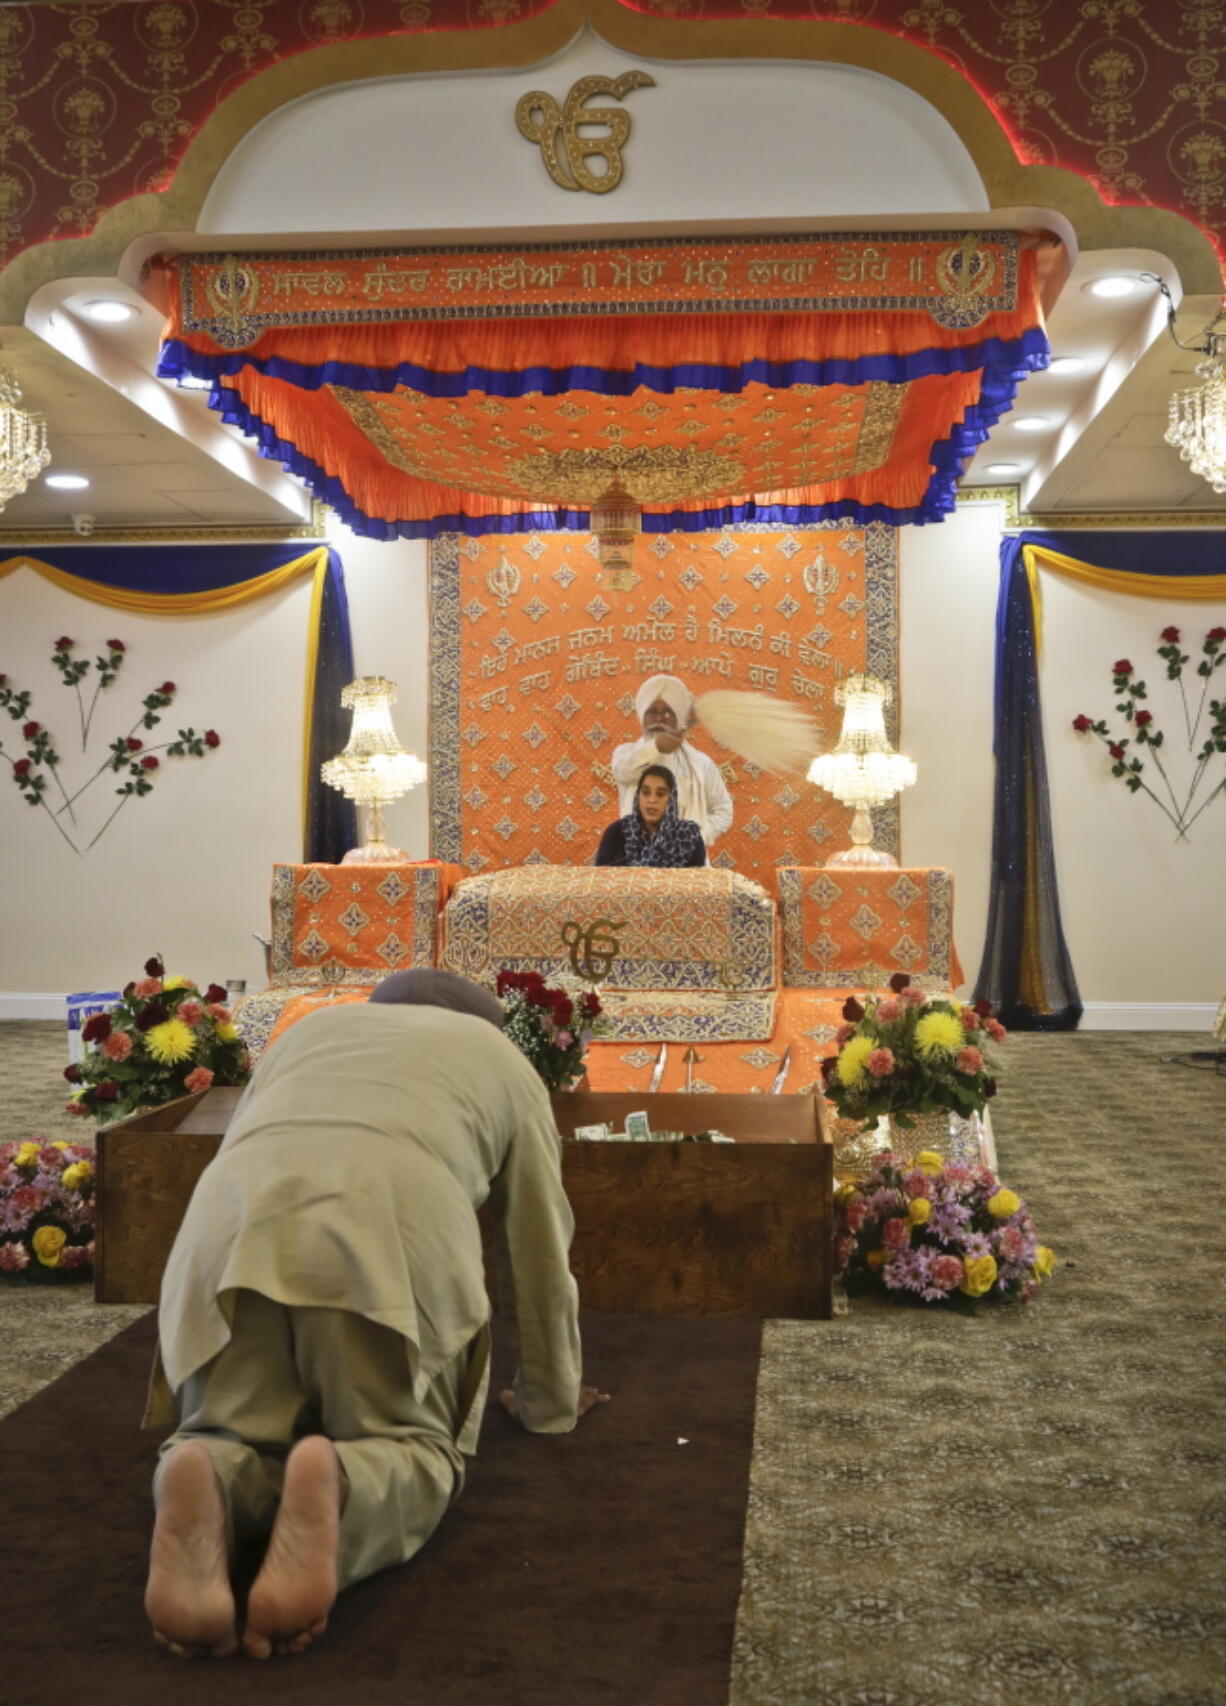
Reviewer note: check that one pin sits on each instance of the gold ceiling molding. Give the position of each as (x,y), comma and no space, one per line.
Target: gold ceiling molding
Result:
(1058,521)
(1008,183)
(213,533)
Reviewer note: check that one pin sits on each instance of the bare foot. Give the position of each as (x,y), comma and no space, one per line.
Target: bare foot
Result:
(188,1595)
(293,1593)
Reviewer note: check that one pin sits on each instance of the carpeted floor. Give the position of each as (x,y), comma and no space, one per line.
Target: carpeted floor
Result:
(1026,1506)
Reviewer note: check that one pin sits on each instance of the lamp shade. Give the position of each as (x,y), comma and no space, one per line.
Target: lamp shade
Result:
(374,767)
(863,770)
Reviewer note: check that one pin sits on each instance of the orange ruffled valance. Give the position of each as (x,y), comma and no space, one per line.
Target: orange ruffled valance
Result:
(779,378)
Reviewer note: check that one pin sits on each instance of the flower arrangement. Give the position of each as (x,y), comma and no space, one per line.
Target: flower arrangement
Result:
(937,1233)
(46,1210)
(550,1026)
(165,1039)
(1130,690)
(907,1053)
(128,755)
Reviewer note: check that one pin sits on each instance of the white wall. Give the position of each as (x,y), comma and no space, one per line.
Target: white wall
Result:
(184,871)
(1143,916)
(745,141)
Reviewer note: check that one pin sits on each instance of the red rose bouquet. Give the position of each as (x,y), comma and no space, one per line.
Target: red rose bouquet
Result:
(549,1026)
(165,1039)
(46,1210)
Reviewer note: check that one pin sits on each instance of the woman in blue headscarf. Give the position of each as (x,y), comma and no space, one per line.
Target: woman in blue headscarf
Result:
(653,834)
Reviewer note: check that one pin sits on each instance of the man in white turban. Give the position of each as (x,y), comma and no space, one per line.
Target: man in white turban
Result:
(665,707)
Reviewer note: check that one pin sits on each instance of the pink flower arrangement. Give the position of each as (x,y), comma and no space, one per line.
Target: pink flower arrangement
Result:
(937,1233)
(46,1210)
(160,1042)
(906,1053)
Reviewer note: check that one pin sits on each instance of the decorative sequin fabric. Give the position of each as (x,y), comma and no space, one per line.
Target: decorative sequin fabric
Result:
(853,929)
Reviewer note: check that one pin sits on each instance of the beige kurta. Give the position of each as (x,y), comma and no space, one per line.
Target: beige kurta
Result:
(349,1179)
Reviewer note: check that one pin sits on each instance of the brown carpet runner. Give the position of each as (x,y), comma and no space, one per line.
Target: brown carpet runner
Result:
(593,1569)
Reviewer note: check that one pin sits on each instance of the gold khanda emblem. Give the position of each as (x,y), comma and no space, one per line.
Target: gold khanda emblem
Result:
(965,275)
(233,291)
(564,149)
(592,951)
(821,579)
(503,582)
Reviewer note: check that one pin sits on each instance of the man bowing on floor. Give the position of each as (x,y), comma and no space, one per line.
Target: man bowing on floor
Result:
(324,1323)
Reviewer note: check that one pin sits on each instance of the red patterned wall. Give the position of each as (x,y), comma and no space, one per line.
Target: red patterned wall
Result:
(98,102)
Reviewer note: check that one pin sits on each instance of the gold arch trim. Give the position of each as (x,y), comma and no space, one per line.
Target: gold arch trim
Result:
(1007,181)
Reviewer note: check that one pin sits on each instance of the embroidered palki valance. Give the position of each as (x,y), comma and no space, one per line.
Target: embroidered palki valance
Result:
(793,378)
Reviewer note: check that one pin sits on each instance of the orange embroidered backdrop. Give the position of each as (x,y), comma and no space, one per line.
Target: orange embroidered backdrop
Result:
(535,663)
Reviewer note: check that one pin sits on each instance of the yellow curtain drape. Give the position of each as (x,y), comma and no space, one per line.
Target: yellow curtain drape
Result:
(1201,589)
(208,603)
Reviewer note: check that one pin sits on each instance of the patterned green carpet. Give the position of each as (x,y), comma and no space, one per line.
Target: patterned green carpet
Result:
(1025,1507)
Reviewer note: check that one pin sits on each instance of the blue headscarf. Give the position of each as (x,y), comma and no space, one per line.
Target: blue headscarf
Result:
(673,845)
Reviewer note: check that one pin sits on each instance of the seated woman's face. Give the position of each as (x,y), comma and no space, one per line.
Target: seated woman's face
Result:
(653,797)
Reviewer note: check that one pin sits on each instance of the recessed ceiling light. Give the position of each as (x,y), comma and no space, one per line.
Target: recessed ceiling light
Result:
(1065,364)
(66,482)
(1003,468)
(1031,423)
(1114,286)
(108,312)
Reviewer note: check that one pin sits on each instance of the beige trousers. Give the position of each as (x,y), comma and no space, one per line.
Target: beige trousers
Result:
(288,1372)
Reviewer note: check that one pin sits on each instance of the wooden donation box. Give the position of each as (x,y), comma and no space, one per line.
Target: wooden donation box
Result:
(660,1227)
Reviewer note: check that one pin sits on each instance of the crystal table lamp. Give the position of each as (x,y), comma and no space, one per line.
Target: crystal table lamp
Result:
(374,768)
(863,770)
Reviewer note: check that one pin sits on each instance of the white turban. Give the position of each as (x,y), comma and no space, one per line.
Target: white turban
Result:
(675,694)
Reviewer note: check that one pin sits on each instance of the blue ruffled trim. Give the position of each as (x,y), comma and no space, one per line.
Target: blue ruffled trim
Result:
(178,360)
(949,457)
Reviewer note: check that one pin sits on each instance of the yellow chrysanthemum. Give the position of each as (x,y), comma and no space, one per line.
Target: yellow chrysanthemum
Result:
(227,1033)
(928,1161)
(939,1033)
(80,1173)
(170,1042)
(48,1241)
(1044,1262)
(919,1211)
(1004,1203)
(59,1144)
(178,983)
(850,1070)
(27,1154)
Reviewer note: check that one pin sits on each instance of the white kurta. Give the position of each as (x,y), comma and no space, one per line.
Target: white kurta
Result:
(349,1179)
(701,794)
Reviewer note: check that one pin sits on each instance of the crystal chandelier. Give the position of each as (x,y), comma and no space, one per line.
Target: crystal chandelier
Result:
(23,441)
(374,768)
(1198,417)
(863,770)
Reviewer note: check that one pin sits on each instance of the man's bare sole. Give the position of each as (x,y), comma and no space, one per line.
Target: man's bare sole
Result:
(188,1596)
(291,1597)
